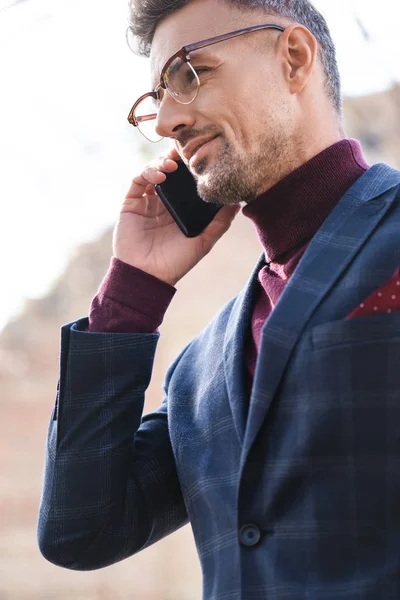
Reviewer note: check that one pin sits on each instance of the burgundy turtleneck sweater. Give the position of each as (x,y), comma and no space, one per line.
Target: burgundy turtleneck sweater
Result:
(286,218)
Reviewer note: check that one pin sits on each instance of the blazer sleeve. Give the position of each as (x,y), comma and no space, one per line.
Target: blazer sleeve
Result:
(110,484)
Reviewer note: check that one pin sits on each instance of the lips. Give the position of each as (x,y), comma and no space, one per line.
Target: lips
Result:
(191,149)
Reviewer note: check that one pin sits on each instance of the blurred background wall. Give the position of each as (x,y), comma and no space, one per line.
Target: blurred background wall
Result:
(67,155)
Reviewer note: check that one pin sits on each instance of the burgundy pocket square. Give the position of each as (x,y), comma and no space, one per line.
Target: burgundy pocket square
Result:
(386,299)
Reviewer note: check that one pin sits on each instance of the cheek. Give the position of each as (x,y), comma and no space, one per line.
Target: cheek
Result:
(252,101)
(238,107)
(250,113)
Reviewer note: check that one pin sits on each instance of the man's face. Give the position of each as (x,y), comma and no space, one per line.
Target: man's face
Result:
(243,100)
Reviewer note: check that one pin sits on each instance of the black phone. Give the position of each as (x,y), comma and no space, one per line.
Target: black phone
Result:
(179,194)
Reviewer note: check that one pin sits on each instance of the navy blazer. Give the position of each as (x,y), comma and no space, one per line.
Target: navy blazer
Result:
(297,497)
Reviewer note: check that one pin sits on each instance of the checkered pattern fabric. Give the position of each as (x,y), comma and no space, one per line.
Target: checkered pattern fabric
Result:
(295,496)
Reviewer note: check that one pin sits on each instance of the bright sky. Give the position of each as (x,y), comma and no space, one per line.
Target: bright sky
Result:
(67,152)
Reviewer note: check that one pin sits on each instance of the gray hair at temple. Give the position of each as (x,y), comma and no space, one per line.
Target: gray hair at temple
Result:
(146,15)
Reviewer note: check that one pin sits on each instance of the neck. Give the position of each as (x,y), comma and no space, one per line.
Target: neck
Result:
(302,150)
(290,212)
(314,128)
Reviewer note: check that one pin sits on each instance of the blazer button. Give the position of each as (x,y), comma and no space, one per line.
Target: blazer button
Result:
(249,535)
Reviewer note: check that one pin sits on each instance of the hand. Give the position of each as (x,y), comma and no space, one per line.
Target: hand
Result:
(147,237)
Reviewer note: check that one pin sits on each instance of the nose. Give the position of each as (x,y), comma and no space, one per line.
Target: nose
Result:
(173,117)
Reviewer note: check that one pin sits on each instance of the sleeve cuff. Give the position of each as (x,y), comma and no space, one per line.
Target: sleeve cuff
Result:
(129,301)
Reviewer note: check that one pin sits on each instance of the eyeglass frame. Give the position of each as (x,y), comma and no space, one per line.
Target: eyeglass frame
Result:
(184,55)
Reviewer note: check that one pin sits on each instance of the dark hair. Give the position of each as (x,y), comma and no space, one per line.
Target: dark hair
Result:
(146,15)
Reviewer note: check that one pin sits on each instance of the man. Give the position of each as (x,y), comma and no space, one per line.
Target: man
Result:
(278,435)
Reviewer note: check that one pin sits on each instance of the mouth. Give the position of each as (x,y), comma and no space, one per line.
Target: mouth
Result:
(201,152)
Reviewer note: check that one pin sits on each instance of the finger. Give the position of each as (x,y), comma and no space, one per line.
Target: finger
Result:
(170,165)
(153,174)
(150,191)
(173,154)
(166,165)
(140,182)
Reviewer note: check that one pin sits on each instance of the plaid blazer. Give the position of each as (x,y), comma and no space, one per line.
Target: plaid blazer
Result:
(297,497)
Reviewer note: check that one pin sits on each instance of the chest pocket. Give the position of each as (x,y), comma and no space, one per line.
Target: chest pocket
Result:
(353,375)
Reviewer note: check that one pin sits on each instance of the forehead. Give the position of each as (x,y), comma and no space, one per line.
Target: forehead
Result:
(198,20)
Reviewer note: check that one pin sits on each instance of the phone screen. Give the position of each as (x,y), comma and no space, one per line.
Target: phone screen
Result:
(179,194)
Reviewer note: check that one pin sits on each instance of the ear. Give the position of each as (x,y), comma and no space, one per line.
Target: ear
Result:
(299,50)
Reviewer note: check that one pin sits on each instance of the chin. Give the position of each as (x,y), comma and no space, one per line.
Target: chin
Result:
(205,191)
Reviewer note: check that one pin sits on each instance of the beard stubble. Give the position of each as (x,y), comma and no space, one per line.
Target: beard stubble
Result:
(241,177)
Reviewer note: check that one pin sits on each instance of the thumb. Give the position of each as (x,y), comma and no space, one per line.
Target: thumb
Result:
(221,222)
(229,211)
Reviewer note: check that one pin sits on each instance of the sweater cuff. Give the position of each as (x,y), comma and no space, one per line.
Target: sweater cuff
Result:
(129,301)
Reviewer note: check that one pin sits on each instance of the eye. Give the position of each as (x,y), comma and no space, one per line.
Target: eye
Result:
(189,74)
(200,70)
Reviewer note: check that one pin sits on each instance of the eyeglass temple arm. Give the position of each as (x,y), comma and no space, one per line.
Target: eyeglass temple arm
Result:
(225,36)
(184,52)
(190,48)
(145,118)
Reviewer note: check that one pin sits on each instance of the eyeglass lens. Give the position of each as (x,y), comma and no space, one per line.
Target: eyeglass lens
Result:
(146,115)
(182,84)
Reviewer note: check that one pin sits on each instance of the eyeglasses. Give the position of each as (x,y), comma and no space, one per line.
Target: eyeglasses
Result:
(181,80)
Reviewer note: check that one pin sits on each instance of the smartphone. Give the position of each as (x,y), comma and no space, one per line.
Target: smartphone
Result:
(179,194)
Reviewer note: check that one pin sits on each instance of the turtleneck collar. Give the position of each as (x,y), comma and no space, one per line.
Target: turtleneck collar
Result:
(290,213)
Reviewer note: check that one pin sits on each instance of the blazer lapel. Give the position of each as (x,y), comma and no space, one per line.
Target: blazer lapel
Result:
(233,351)
(330,252)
